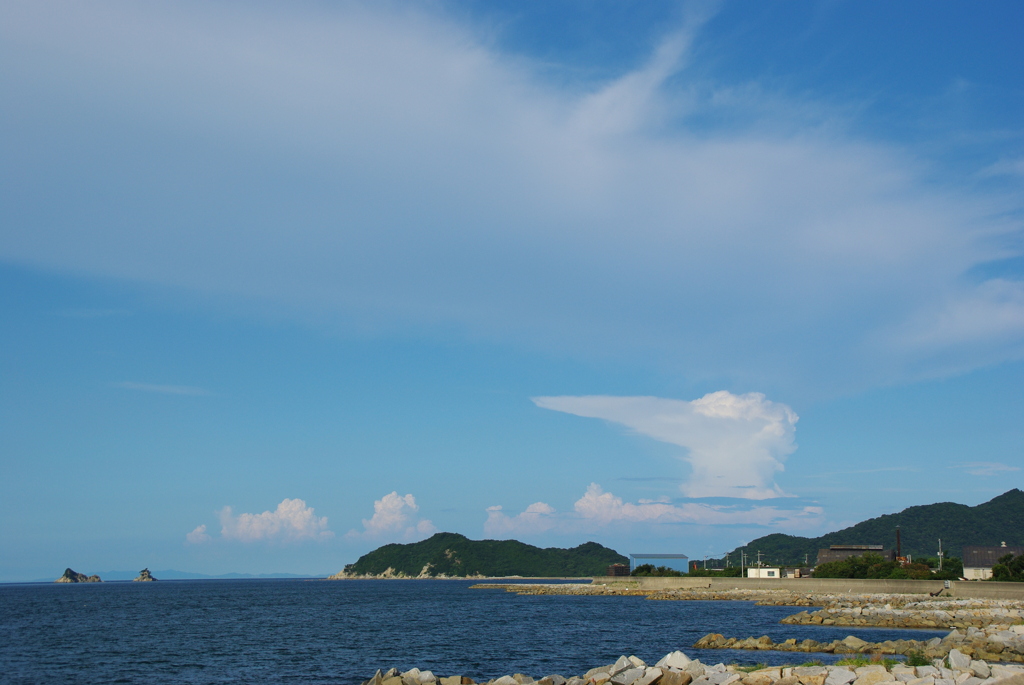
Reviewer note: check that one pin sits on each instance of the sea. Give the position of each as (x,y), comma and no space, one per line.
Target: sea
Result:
(317,631)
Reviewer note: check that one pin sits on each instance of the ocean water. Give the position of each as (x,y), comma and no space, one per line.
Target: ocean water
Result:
(300,631)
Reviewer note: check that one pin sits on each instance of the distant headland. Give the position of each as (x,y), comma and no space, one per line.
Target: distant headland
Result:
(450,555)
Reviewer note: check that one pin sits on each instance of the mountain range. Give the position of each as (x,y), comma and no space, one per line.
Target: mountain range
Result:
(999,520)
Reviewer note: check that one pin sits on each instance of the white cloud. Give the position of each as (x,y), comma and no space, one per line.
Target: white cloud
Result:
(198,536)
(968,328)
(292,520)
(162,389)
(735,443)
(987,468)
(598,509)
(395,516)
(594,219)
(537,518)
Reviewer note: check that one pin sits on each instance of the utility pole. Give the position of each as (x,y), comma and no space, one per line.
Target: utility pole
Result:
(743,558)
(705,562)
(940,554)
(759,558)
(805,558)
(727,560)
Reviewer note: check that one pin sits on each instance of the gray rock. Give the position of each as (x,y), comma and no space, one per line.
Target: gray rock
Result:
(809,671)
(637,661)
(904,677)
(923,671)
(504,680)
(840,676)
(944,681)
(721,678)
(958,659)
(927,680)
(695,668)
(675,678)
(981,669)
(620,665)
(594,671)
(426,677)
(628,676)
(523,679)
(576,680)
(676,660)
(651,675)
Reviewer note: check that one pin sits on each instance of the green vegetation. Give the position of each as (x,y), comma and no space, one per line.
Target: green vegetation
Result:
(989,524)
(1009,568)
(952,567)
(863,660)
(452,554)
(871,566)
(917,658)
(649,570)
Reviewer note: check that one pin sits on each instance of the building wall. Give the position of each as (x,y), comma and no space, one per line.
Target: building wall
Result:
(764,573)
(681,564)
(975,573)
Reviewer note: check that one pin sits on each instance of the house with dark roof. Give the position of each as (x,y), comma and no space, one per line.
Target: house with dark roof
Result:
(978,561)
(843,552)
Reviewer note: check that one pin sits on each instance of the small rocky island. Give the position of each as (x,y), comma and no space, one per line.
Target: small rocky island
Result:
(144,576)
(71,576)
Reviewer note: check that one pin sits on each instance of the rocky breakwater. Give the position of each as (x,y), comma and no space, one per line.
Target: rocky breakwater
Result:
(674,669)
(561,589)
(913,611)
(998,644)
(71,576)
(759,596)
(678,669)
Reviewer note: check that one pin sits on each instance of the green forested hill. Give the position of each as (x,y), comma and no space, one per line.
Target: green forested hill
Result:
(456,555)
(998,520)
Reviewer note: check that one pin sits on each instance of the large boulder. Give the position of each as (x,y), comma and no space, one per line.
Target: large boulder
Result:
(959,660)
(676,660)
(675,678)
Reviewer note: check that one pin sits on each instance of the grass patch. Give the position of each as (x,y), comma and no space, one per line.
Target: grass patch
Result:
(864,660)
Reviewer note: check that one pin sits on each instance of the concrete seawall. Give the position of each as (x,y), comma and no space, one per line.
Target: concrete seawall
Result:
(963,588)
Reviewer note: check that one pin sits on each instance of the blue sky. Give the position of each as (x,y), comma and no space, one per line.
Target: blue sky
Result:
(282,283)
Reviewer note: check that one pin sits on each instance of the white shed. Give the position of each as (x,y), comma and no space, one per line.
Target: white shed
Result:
(763,572)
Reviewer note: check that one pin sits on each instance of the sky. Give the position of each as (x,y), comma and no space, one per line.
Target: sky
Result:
(284,282)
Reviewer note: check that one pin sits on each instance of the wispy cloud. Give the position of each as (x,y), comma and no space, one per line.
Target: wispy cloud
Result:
(395,517)
(162,389)
(291,521)
(598,509)
(986,468)
(734,444)
(598,219)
